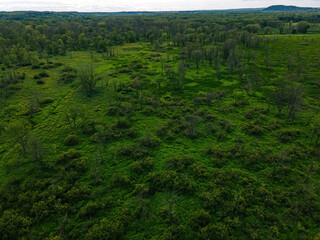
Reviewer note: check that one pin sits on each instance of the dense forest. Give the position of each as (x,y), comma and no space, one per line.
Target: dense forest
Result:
(202,125)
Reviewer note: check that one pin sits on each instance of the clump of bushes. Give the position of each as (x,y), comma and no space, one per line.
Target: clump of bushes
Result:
(41,75)
(141,190)
(71,160)
(254,112)
(135,151)
(142,165)
(119,180)
(91,208)
(148,110)
(68,74)
(227,125)
(71,140)
(287,135)
(46,100)
(253,128)
(40,82)
(200,219)
(190,124)
(179,163)
(51,65)
(199,170)
(164,180)
(123,123)
(149,141)
(35,66)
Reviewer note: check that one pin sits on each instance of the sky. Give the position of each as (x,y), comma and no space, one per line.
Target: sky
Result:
(144,5)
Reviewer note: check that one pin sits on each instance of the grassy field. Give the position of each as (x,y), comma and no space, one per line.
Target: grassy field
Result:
(166,153)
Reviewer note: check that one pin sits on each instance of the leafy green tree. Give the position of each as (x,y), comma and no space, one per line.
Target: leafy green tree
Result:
(13,225)
(88,79)
(302,27)
(18,130)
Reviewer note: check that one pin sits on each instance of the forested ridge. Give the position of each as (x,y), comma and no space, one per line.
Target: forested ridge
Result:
(160,126)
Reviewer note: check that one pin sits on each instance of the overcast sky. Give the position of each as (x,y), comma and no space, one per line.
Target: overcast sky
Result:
(143,5)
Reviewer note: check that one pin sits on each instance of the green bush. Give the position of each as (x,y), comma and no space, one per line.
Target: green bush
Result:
(149,141)
(134,150)
(142,165)
(200,219)
(36,66)
(148,110)
(123,123)
(141,190)
(253,128)
(40,82)
(46,100)
(170,180)
(287,135)
(43,74)
(119,180)
(179,163)
(91,208)
(71,140)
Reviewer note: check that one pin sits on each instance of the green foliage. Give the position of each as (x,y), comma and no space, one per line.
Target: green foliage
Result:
(71,140)
(198,126)
(13,225)
(88,79)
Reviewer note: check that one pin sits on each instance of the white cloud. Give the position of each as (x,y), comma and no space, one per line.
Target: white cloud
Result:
(143,5)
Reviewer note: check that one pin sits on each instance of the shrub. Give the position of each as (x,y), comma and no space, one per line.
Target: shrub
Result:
(191,123)
(47,66)
(36,66)
(253,128)
(227,125)
(134,150)
(119,180)
(90,208)
(68,74)
(43,74)
(161,130)
(170,180)
(123,123)
(199,170)
(211,127)
(286,135)
(46,100)
(148,141)
(21,76)
(106,229)
(200,219)
(254,112)
(148,110)
(132,132)
(179,163)
(113,111)
(141,190)
(217,152)
(71,160)
(71,140)
(40,82)
(142,165)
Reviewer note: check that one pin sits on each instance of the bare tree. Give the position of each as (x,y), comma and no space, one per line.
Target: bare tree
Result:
(182,73)
(294,101)
(35,148)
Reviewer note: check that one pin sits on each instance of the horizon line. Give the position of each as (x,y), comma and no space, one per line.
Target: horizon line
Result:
(152,11)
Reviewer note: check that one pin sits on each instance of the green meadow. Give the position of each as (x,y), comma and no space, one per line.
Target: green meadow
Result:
(163,146)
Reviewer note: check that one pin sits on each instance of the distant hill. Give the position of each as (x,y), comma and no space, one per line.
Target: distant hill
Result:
(287,8)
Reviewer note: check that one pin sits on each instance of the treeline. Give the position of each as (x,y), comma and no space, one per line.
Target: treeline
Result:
(57,36)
